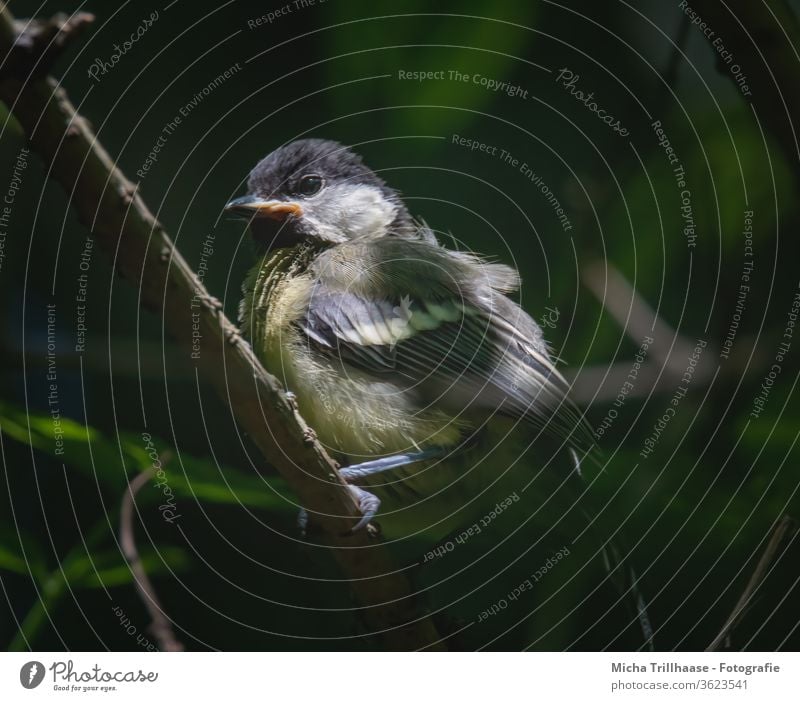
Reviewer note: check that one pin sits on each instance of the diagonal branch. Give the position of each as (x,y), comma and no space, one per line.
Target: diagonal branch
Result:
(638,320)
(785,526)
(119,220)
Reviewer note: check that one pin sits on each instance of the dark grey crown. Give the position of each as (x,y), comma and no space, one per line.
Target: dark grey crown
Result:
(279,172)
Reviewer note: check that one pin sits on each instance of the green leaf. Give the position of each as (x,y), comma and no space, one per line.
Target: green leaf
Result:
(110,569)
(186,476)
(21,553)
(82,447)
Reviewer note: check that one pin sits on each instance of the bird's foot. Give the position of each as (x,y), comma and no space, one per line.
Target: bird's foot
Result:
(302,522)
(368,504)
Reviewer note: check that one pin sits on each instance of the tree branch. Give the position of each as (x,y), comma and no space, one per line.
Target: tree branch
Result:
(784,527)
(110,206)
(669,349)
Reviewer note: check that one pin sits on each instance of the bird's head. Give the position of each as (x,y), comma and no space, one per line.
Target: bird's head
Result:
(317,190)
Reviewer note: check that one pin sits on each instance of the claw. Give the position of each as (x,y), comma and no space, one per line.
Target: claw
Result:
(368,504)
(302,521)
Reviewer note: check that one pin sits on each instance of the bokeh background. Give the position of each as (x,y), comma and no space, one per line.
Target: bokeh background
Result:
(698,511)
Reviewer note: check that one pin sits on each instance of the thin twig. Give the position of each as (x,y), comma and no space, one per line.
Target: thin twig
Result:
(668,350)
(765,39)
(160,625)
(783,528)
(670,72)
(636,317)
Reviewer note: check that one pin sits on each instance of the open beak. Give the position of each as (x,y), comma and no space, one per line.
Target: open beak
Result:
(252,207)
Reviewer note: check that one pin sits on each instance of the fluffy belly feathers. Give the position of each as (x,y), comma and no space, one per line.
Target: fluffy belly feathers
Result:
(355,415)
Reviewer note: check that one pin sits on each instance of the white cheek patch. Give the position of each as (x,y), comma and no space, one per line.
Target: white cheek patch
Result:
(344,212)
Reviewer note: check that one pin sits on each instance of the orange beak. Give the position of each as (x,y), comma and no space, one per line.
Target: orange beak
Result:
(252,207)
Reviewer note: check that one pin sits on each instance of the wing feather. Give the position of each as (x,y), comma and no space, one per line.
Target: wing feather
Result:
(444,330)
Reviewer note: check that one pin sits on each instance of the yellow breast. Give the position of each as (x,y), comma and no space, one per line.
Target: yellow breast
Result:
(351,412)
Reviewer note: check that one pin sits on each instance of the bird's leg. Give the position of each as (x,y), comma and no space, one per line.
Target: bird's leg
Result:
(353,473)
(368,503)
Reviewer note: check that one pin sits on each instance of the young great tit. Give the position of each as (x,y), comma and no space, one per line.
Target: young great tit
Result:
(399,351)
(407,359)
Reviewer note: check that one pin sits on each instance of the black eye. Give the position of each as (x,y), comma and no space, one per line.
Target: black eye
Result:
(309,185)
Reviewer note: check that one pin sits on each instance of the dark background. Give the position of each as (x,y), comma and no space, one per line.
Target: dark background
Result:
(699,510)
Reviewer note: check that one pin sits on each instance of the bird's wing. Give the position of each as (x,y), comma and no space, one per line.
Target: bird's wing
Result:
(436,323)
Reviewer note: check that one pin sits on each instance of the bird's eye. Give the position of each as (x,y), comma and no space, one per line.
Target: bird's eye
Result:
(309,185)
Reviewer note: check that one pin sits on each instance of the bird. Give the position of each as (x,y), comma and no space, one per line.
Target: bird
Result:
(391,344)
(410,360)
